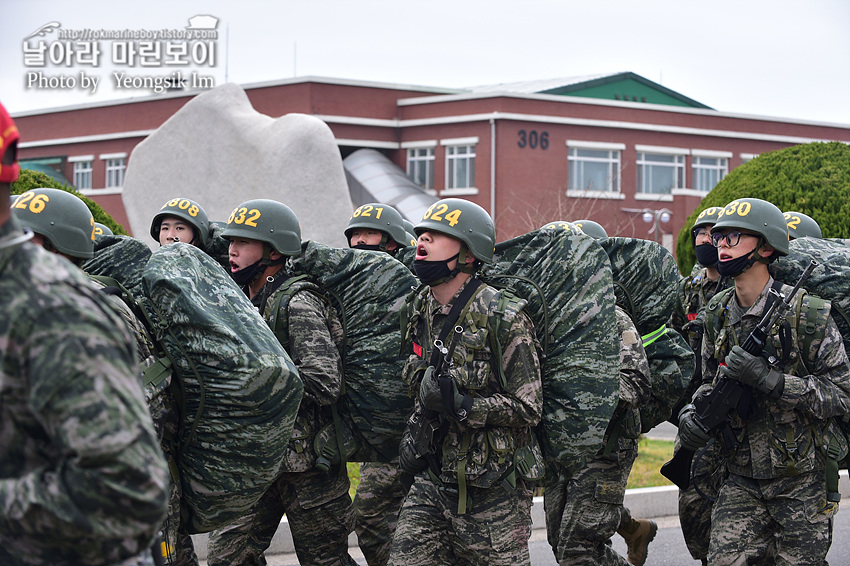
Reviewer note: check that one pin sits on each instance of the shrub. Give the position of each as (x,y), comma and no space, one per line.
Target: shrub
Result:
(812,178)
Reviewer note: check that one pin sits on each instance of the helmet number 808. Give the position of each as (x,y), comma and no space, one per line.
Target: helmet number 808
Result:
(439,210)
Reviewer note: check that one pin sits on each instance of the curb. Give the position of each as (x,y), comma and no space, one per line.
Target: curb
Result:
(644,503)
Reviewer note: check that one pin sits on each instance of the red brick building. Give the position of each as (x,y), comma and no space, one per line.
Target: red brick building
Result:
(619,149)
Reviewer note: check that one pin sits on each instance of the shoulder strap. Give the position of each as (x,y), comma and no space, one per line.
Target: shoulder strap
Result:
(458,307)
(811,324)
(280,325)
(715,312)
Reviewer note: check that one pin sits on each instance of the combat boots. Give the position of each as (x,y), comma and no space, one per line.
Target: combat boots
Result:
(638,534)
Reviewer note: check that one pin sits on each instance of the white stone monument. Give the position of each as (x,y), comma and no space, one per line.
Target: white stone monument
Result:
(219,151)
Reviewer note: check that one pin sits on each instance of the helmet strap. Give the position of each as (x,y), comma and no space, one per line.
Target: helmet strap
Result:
(464,267)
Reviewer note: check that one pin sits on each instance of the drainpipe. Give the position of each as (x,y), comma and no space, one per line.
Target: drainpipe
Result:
(493,167)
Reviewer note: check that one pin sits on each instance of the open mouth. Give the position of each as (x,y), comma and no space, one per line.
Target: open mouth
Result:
(421,252)
(234,267)
(724,257)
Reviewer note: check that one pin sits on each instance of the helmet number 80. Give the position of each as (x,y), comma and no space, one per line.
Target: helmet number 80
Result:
(241,215)
(39,202)
(438,211)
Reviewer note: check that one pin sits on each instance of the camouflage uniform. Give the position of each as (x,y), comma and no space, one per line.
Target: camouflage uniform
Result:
(694,293)
(377,502)
(694,508)
(316,503)
(776,483)
(580,532)
(82,479)
(497,523)
(179,549)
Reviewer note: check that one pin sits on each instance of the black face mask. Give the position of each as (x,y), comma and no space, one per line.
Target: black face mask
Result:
(706,255)
(247,275)
(434,272)
(735,267)
(371,248)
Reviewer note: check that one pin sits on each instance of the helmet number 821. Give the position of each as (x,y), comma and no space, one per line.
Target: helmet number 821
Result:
(440,210)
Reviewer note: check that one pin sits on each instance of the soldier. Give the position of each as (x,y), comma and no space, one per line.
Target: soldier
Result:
(380,493)
(376,227)
(801,225)
(82,479)
(777,498)
(579,536)
(695,291)
(181,220)
(262,234)
(64,227)
(470,500)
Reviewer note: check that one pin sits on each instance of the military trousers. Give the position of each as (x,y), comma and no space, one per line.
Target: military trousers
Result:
(787,516)
(376,506)
(318,509)
(584,511)
(707,473)
(494,530)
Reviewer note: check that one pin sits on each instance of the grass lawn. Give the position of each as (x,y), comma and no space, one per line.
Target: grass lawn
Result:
(645,473)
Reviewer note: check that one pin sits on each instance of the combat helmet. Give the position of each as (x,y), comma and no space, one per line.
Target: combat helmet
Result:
(187,210)
(267,221)
(101,230)
(9,136)
(381,217)
(756,216)
(411,233)
(60,217)
(561,225)
(801,225)
(464,220)
(707,217)
(591,228)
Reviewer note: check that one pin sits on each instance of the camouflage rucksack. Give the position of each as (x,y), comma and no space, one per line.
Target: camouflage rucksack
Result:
(122,258)
(238,390)
(566,279)
(368,290)
(646,281)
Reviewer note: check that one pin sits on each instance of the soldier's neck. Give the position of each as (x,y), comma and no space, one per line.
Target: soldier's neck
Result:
(750,284)
(444,292)
(260,281)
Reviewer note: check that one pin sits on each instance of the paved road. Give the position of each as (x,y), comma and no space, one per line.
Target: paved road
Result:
(668,548)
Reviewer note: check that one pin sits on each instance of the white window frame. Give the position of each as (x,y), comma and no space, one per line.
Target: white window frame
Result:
(644,168)
(116,167)
(83,171)
(453,161)
(702,169)
(421,154)
(614,161)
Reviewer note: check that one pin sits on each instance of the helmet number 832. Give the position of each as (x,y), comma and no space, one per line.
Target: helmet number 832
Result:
(241,215)
(440,211)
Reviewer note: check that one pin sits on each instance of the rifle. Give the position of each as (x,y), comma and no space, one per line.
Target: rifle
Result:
(714,409)
(427,427)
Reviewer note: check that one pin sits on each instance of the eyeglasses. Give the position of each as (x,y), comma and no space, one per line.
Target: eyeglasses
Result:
(700,231)
(732,238)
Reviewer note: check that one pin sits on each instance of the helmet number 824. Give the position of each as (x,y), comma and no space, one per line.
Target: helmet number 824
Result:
(440,211)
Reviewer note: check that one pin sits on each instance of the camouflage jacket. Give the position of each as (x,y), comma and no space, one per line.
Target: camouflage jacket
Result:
(501,419)
(789,435)
(695,291)
(82,478)
(315,334)
(635,380)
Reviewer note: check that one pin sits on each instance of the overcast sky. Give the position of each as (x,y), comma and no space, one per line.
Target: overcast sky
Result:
(782,58)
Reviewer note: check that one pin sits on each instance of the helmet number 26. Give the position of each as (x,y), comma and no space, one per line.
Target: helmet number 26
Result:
(440,210)
(36,202)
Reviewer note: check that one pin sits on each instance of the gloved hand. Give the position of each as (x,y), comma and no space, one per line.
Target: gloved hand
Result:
(430,396)
(754,371)
(691,436)
(407,460)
